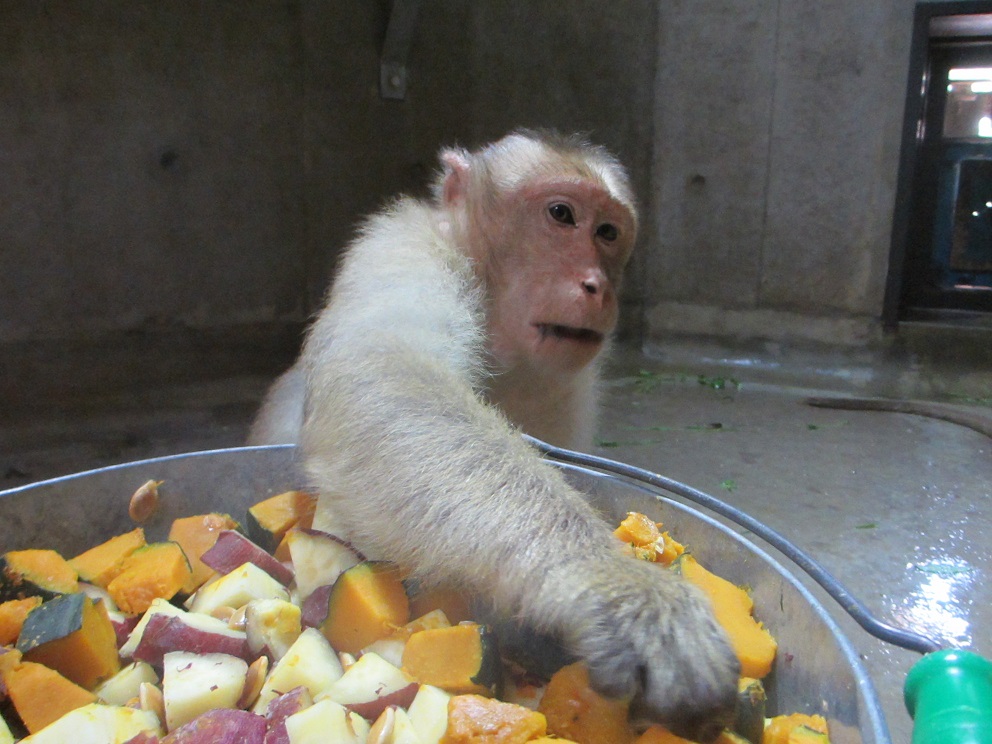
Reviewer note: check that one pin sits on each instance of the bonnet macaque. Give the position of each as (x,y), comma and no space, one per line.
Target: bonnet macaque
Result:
(454,324)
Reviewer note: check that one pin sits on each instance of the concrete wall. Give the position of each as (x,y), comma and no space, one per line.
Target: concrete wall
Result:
(177,177)
(777,129)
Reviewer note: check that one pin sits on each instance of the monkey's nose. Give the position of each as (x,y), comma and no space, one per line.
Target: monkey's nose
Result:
(591,286)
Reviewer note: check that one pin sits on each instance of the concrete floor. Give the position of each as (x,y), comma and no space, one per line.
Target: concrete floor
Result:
(897,507)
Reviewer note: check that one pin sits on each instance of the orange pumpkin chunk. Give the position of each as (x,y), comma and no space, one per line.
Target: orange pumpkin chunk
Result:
(36,572)
(660,735)
(575,711)
(196,535)
(12,614)
(367,602)
(755,647)
(783,729)
(156,571)
(473,719)
(73,636)
(41,695)
(459,659)
(100,564)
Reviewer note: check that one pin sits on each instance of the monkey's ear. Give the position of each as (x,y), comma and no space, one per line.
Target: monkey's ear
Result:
(455,185)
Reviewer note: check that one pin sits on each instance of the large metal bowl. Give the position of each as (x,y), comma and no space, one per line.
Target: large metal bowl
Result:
(816,670)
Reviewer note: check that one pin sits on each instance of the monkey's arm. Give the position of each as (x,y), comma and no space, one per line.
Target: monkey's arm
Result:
(419,470)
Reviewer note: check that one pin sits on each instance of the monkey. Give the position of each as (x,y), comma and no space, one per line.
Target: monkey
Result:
(929,409)
(454,323)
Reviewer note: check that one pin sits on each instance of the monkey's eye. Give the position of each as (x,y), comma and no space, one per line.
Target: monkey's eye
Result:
(561,213)
(607,232)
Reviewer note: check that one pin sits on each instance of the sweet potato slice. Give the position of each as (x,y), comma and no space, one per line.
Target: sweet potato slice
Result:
(12,615)
(41,695)
(100,564)
(156,571)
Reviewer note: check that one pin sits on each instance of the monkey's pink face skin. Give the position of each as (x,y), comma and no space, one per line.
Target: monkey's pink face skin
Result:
(556,277)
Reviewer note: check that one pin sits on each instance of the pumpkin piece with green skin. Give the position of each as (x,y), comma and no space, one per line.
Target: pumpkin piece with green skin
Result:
(35,573)
(196,535)
(101,563)
(268,521)
(156,571)
(749,721)
(460,659)
(367,602)
(74,636)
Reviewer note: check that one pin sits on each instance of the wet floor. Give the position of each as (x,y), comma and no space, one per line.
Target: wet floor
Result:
(897,507)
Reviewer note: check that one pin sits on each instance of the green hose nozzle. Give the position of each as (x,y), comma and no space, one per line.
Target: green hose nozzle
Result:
(949,695)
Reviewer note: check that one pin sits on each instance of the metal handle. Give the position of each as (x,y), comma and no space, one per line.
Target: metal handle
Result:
(851,605)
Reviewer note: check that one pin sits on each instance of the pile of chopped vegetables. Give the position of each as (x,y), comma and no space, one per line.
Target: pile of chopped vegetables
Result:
(266,631)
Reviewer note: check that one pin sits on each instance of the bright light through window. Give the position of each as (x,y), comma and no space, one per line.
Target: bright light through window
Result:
(964,74)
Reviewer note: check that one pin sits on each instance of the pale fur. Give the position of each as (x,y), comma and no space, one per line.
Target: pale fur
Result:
(416,462)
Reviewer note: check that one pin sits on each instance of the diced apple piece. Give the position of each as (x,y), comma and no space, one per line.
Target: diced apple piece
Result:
(220,726)
(272,626)
(372,684)
(124,685)
(310,662)
(429,713)
(192,684)
(390,649)
(158,607)
(192,632)
(6,737)
(237,588)
(318,558)
(394,727)
(233,549)
(98,724)
(326,721)
(280,709)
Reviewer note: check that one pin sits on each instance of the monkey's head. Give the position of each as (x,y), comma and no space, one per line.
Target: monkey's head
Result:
(550,222)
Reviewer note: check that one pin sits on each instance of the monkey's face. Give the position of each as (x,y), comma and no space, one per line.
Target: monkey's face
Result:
(554,276)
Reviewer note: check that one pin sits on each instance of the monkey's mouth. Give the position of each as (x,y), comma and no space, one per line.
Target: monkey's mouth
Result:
(568,333)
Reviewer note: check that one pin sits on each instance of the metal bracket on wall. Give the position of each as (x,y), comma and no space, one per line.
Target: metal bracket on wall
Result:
(396,49)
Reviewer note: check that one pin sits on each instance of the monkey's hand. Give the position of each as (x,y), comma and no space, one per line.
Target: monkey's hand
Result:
(649,636)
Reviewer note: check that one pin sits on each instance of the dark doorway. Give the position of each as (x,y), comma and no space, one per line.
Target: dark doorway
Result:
(942,236)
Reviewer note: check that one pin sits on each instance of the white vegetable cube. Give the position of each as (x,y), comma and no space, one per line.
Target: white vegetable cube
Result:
(428,713)
(326,721)
(272,624)
(310,662)
(98,724)
(369,678)
(124,685)
(237,589)
(5,736)
(402,731)
(195,683)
